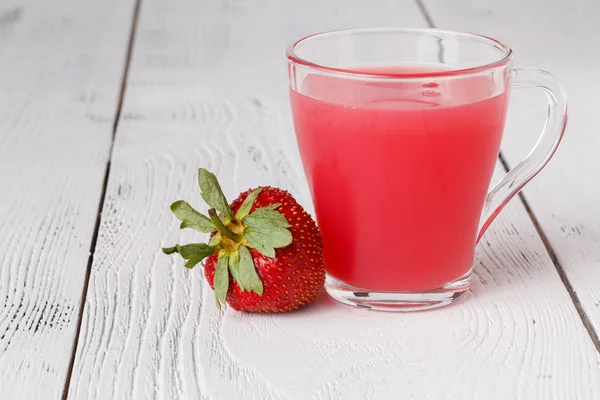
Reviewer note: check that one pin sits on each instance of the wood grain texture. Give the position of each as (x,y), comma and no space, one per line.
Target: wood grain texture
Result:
(563,38)
(60,74)
(207,87)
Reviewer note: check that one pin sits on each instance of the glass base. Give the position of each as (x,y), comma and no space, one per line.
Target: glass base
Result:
(398,301)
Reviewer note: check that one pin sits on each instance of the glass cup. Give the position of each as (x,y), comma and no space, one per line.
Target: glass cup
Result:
(399,132)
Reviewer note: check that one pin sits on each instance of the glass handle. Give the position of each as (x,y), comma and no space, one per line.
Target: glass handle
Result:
(541,153)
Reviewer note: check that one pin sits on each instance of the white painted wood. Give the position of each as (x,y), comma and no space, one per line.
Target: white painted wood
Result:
(60,73)
(207,87)
(563,38)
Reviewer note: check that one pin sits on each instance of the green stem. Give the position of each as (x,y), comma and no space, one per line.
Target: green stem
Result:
(223,230)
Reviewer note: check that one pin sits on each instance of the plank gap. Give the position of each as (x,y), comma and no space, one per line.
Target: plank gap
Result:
(132,32)
(425,13)
(559,268)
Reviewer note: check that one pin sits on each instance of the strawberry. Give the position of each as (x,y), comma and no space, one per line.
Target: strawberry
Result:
(265,252)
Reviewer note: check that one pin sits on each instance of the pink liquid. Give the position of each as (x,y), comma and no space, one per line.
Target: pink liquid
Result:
(399,173)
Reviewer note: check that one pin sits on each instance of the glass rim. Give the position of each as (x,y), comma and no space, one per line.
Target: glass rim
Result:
(505,58)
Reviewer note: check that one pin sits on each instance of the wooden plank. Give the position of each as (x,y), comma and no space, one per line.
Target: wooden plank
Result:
(207,87)
(61,70)
(563,38)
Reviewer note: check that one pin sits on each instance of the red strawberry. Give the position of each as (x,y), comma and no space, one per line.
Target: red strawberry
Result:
(265,253)
(294,277)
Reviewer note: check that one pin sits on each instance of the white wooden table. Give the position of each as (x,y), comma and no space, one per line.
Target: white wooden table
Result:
(108,107)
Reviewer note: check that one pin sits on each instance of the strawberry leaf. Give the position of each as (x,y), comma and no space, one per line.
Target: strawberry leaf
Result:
(195,250)
(267,242)
(234,268)
(222,278)
(265,218)
(169,250)
(247,204)
(191,218)
(273,206)
(266,230)
(192,262)
(247,272)
(212,193)
(243,271)
(193,253)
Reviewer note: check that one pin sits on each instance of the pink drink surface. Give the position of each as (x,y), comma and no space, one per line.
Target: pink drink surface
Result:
(398,172)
